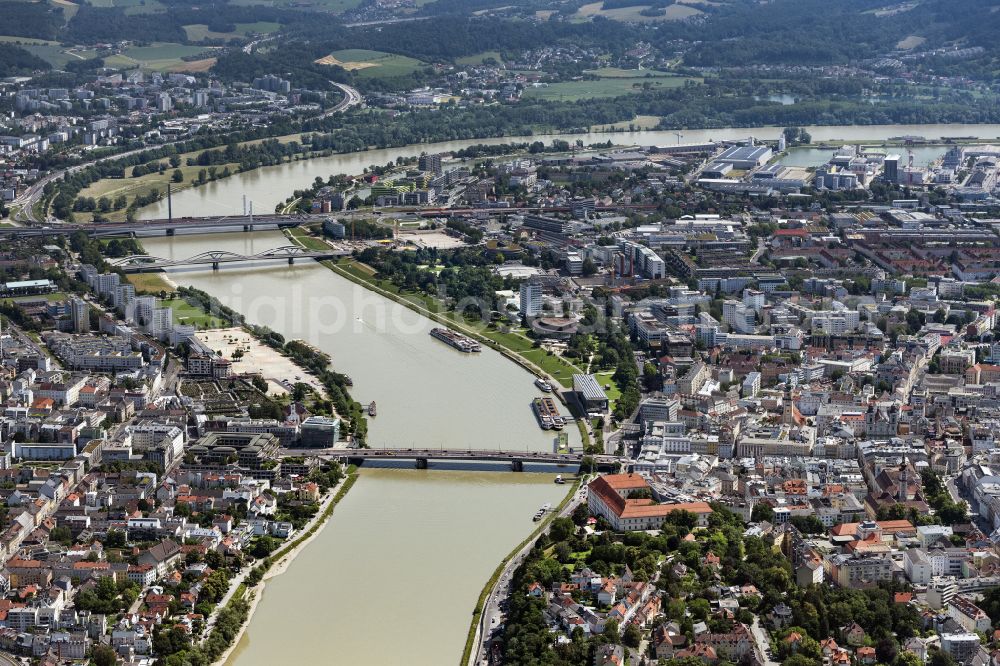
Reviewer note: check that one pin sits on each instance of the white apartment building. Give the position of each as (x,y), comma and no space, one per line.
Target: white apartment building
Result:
(106,283)
(124,295)
(144,306)
(969,615)
(739,317)
(531,299)
(961,647)
(161,322)
(754,299)
(836,322)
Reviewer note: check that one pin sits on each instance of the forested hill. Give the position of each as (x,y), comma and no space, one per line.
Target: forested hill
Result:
(469,35)
(737,33)
(30,19)
(721,34)
(92,24)
(15,61)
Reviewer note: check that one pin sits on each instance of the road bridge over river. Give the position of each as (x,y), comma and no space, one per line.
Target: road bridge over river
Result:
(167,226)
(422,457)
(229,223)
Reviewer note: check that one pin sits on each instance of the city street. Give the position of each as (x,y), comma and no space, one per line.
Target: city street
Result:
(493,615)
(762,643)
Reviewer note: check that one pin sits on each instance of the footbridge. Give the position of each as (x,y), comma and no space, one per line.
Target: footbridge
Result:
(140,263)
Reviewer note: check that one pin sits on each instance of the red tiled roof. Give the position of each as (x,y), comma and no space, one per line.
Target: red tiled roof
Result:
(638,508)
(624,481)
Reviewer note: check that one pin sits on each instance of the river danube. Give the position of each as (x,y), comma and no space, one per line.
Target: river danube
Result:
(394,576)
(269,186)
(428,394)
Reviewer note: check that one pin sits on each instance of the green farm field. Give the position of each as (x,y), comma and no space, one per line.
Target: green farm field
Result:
(199,32)
(615,85)
(334,6)
(479,58)
(372,64)
(160,57)
(132,6)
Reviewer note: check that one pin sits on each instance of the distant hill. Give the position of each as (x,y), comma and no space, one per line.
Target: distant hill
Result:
(16,61)
(30,19)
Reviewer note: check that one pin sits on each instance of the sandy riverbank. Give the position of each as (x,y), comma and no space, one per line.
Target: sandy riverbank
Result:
(320,520)
(254,597)
(258,357)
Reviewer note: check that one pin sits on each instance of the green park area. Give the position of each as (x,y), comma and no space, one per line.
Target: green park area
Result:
(159,56)
(119,193)
(302,237)
(189,313)
(133,187)
(619,73)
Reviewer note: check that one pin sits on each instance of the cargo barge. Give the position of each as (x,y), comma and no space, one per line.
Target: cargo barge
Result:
(547,413)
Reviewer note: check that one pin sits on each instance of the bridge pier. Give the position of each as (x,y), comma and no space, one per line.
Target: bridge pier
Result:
(291,260)
(215,265)
(246,227)
(421,463)
(170,231)
(517,465)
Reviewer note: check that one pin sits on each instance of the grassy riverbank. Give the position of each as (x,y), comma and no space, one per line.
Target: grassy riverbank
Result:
(151,283)
(477,612)
(512,344)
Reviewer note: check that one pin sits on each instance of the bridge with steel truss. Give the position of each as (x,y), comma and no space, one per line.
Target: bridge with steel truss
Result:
(141,263)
